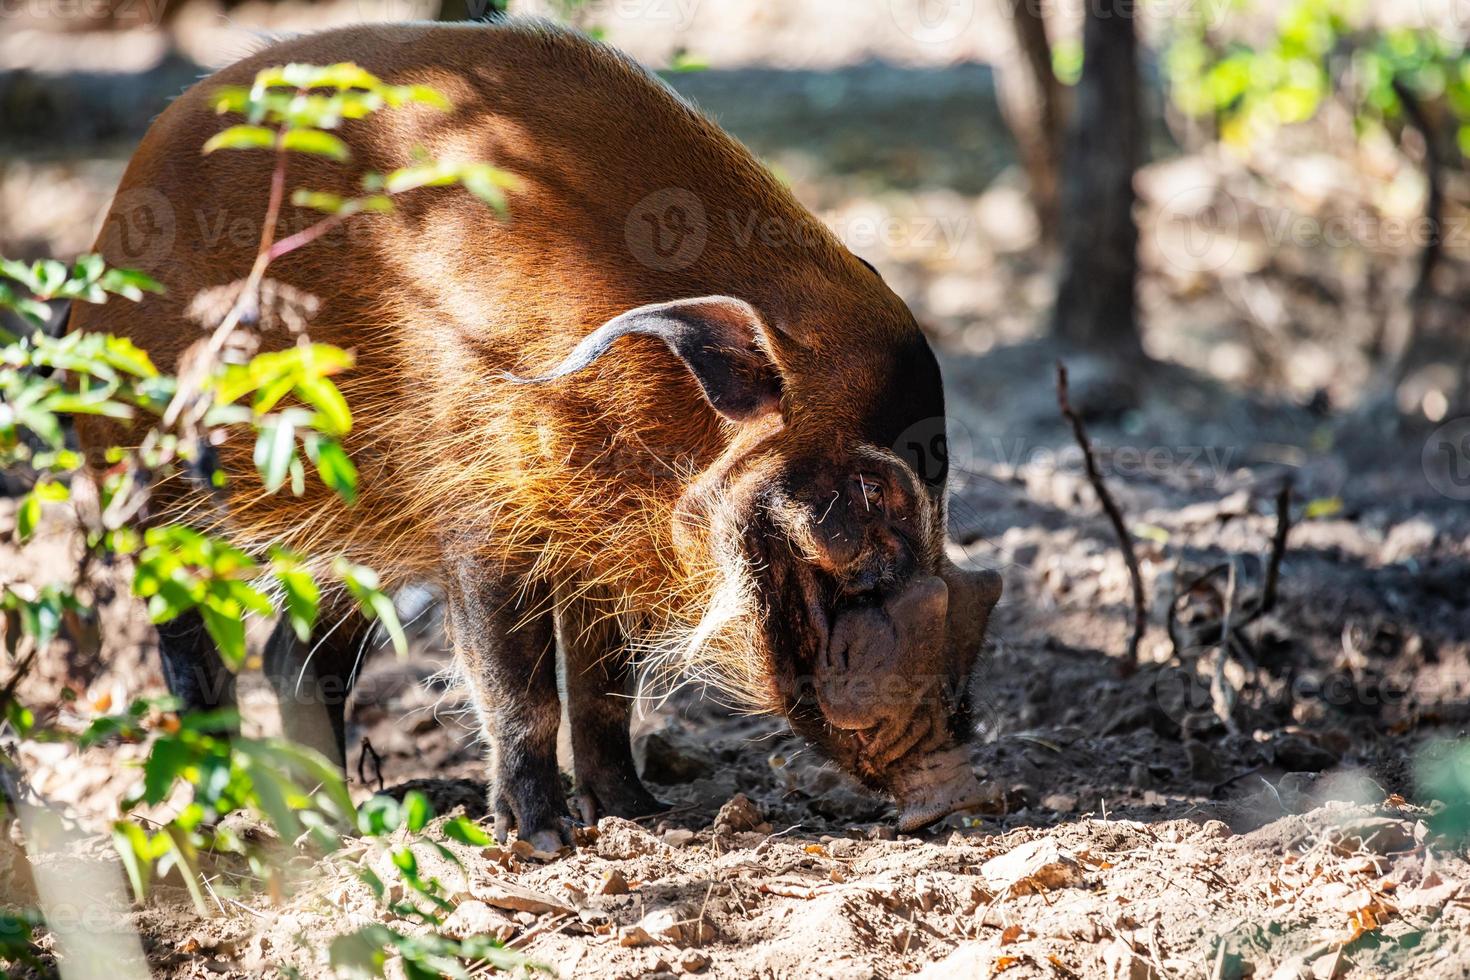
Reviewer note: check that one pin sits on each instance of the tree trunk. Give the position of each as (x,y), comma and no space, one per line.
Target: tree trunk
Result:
(1096,298)
(452,10)
(1034,104)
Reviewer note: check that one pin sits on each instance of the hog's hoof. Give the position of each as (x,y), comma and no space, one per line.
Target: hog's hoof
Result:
(592,803)
(938,785)
(547,835)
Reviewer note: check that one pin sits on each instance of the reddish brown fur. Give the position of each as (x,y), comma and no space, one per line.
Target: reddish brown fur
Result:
(576,482)
(439,298)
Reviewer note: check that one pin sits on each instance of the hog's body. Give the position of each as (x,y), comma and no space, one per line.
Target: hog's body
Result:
(635,501)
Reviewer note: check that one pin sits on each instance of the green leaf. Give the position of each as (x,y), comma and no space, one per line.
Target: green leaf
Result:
(379,816)
(1323,507)
(361,955)
(466,831)
(417,811)
(166,764)
(228,633)
(321,394)
(187,860)
(315,141)
(421,175)
(362,582)
(27,517)
(302,598)
(131,843)
(275,446)
(122,354)
(129,284)
(242,138)
(318,201)
(334,466)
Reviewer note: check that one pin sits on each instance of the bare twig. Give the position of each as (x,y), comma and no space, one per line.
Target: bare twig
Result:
(1278,546)
(362,758)
(1222,696)
(1109,505)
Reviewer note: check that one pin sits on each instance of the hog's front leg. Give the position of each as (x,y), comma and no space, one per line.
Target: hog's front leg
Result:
(599,709)
(504,638)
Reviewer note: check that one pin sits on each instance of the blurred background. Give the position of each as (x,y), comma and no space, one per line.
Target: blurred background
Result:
(1300,168)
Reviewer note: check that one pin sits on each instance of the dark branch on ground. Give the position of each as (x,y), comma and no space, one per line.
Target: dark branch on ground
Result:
(1115,515)
(1278,546)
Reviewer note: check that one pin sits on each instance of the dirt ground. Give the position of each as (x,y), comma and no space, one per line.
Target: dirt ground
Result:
(1130,832)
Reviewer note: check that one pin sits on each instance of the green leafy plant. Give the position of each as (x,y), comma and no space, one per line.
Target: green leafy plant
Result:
(287,402)
(1317,48)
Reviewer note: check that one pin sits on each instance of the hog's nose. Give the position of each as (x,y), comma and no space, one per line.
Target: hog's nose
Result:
(883,660)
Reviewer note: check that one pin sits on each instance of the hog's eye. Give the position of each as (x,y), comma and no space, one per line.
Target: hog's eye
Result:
(868,490)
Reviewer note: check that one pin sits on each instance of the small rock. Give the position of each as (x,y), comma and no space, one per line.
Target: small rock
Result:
(1203,766)
(1037,866)
(737,815)
(677,925)
(693,961)
(1060,802)
(613,883)
(473,918)
(1373,835)
(1296,754)
(634,936)
(678,837)
(669,760)
(619,839)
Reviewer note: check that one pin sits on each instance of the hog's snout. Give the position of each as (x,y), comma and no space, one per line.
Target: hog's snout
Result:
(882,667)
(936,786)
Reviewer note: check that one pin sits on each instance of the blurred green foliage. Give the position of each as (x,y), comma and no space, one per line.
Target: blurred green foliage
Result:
(1316,48)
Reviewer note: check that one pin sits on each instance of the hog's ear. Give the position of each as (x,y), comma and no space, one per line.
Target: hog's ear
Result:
(719,339)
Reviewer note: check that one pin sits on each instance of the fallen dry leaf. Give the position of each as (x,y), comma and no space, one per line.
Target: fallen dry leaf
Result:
(518,898)
(1037,866)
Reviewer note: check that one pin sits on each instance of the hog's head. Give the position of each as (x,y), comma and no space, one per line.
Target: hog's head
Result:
(825,519)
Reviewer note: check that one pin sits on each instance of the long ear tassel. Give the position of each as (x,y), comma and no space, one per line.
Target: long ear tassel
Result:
(715,336)
(592,346)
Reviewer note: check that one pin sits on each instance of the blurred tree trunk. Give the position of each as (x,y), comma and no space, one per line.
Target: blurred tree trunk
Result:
(1096,298)
(1034,103)
(470,9)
